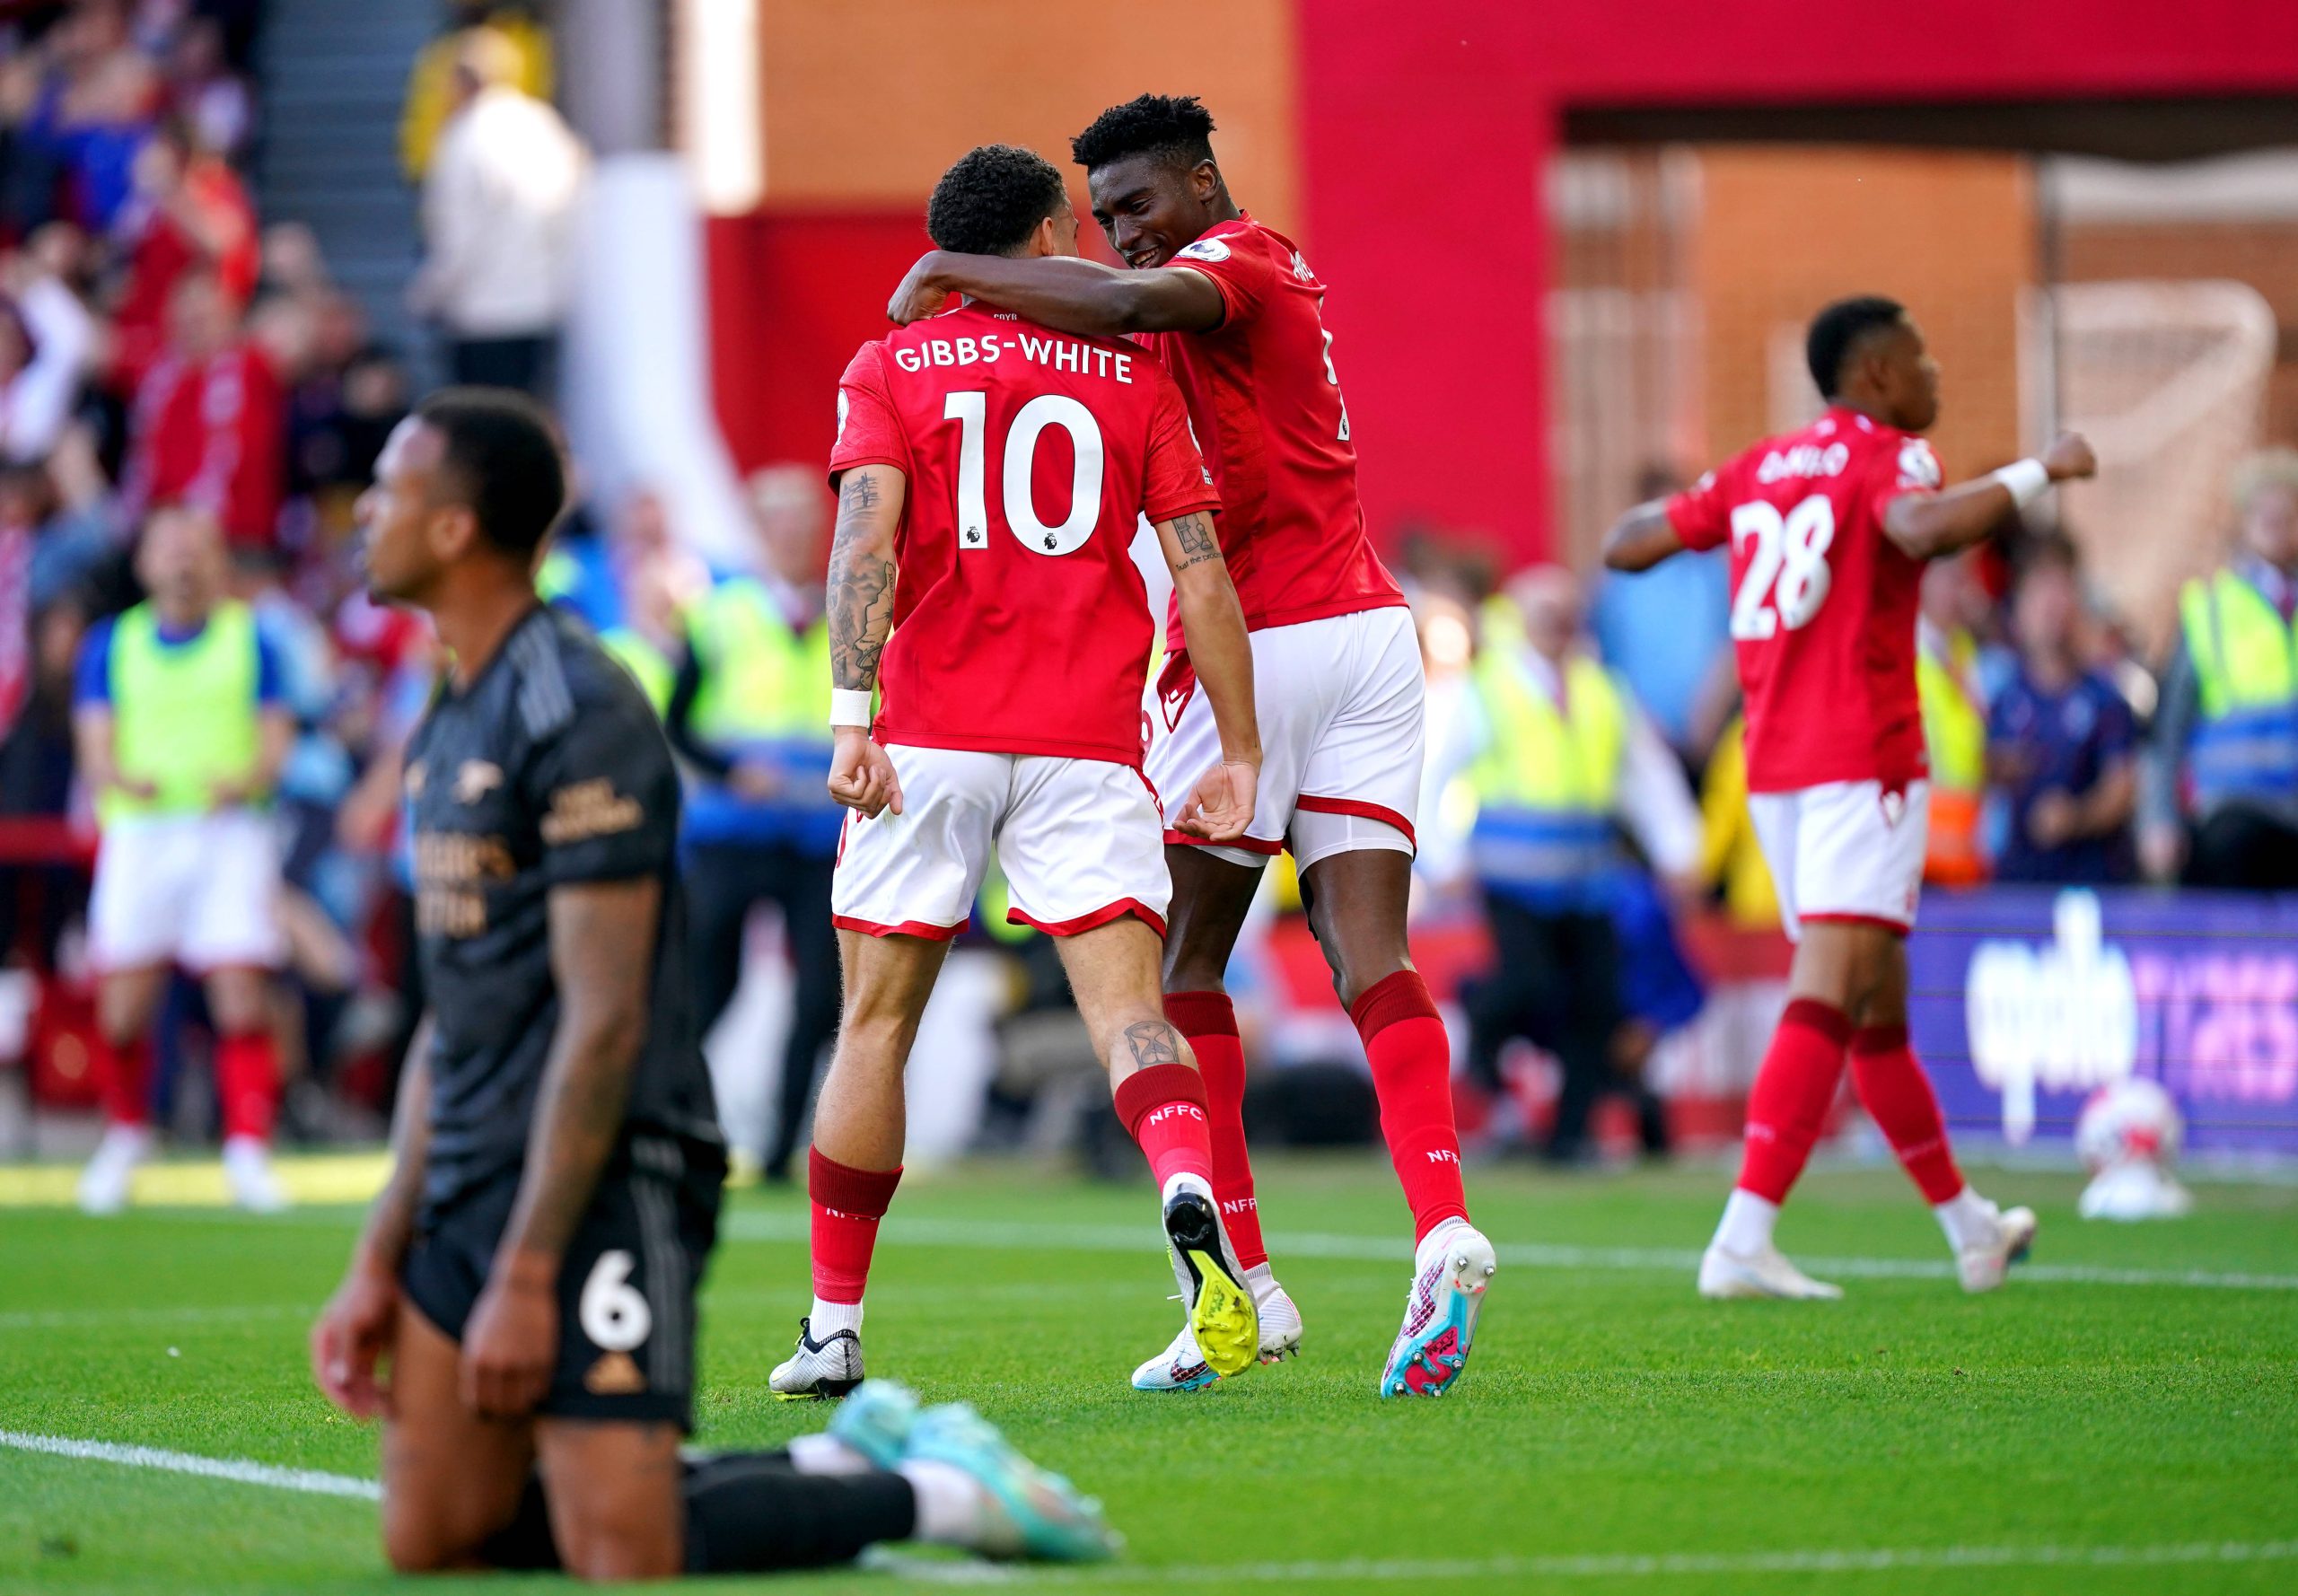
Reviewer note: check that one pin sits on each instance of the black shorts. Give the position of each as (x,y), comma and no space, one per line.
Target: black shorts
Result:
(626,1292)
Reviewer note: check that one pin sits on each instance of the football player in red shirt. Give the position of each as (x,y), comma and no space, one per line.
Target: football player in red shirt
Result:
(1231,305)
(990,472)
(1829,529)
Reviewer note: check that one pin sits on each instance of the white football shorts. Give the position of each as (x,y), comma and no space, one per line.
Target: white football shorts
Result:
(1845,850)
(1080,842)
(201,891)
(1341,702)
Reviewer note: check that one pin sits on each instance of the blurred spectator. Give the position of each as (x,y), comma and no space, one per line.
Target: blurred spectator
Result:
(36,769)
(47,340)
(430,86)
(750,715)
(88,97)
(190,212)
(182,727)
(1955,721)
(2062,744)
(1558,755)
(2226,734)
(210,421)
(1730,854)
(212,99)
(498,207)
(1666,631)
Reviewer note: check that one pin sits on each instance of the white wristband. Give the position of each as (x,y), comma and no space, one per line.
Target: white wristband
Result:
(850,706)
(2026,480)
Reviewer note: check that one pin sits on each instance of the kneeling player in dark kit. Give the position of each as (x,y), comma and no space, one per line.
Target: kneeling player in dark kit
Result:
(527,1281)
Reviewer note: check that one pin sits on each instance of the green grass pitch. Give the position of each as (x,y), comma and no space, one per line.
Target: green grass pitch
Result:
(2097,1427)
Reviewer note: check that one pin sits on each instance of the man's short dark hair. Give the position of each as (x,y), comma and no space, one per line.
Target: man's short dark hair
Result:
(993,199)
(2048,550)
(503,460)
(1174,127)
(1837,331)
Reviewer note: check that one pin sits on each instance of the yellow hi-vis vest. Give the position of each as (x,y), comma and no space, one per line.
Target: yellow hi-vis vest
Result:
(655,675)
(1547,780)
(762,683)
(1954,733)
(2245,659)
(185,716)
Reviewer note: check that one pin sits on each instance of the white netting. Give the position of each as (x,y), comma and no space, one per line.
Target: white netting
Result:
(2167,380)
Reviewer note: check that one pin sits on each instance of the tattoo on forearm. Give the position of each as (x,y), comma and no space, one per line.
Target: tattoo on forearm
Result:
(861,588)
(1153,1042)
(1194,533)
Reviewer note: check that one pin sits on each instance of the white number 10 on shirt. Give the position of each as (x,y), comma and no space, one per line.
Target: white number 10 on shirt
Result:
(1788,575)
(970,411)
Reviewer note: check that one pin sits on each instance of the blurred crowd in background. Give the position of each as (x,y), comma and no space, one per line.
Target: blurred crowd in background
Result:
(1588,876)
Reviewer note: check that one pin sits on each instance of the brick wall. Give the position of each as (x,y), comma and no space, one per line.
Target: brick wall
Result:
(2263,254)
(1781,232)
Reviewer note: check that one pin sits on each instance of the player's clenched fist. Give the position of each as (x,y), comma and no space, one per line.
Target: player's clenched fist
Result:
(1221,806)
(2070,456)
(861,776)
(351,1337)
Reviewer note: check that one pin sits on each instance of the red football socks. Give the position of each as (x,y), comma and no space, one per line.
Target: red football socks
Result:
(1897,1096)
(1792,1094)
(247,1084)
(847,1205)
(1412,1076)
(1162,1107)
(123,1075)
(1210,1022)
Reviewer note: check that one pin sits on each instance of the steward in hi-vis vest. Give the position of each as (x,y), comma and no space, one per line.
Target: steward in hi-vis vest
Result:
(1560,760)
(2218,784)
(749,714)
(182,726)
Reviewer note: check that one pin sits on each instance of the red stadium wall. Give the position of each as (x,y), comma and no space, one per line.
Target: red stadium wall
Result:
(1424,130)
(1419,136)
(791,297)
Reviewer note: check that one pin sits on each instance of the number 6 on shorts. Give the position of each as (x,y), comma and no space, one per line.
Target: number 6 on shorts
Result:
(612,1313)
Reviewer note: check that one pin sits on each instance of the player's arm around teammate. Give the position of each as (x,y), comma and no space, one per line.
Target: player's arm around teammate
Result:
(1066,292)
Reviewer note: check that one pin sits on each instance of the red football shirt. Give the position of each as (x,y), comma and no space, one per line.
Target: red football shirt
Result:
(1020,622)
(1267,409)
(1823,604)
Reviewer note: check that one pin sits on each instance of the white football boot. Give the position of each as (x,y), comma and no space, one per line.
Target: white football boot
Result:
(104,1183)
(249,1176)
(1181,1367)
(1221,1332)
(824,1368)
(1451,1269)
(1280,1319)
(1723,1272)
(1983,1265)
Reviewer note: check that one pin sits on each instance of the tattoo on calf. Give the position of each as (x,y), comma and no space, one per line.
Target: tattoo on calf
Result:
(1153,1042)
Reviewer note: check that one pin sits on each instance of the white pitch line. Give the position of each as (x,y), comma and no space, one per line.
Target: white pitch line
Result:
(751,1226)
(1597,1565)
(239,1470)
(73,1319)
(1628,1566)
